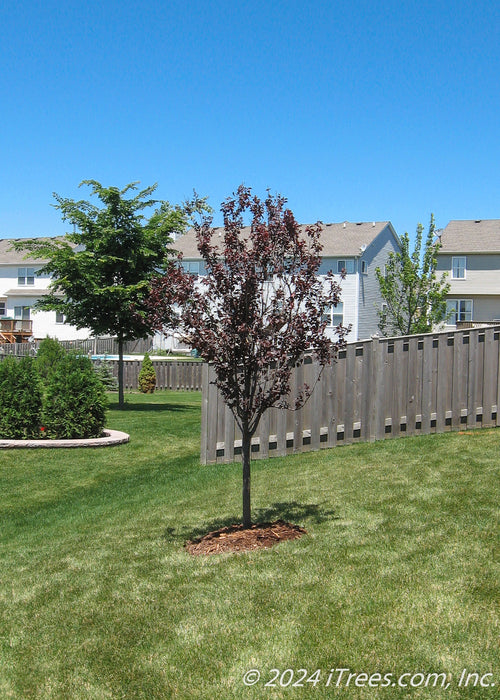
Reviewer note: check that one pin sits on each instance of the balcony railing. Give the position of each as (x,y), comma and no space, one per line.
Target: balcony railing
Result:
(16,325)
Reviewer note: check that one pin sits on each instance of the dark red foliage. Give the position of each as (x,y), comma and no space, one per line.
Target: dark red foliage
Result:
(258,309)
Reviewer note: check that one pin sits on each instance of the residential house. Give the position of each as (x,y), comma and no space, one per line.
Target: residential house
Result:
(359,248)
(21,286)
(470,254)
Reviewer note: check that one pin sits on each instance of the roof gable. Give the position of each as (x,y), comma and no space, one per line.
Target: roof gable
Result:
(471,236)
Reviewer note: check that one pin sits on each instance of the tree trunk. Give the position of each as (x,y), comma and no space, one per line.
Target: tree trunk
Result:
(121,400)
(245,446)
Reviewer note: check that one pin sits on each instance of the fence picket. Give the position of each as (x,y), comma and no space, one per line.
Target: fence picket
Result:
(412,387)
(490,370)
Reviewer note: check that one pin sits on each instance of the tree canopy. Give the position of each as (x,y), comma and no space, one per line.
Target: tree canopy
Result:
(414,294)
(257,310)
(101,271)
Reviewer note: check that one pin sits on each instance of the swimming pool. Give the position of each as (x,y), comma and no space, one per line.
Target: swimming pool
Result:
(128,358)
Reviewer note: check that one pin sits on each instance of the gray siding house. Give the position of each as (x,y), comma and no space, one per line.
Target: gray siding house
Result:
(358,248)
(470,254)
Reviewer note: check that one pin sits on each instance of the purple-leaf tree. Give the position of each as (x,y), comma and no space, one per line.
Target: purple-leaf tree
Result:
(256,311)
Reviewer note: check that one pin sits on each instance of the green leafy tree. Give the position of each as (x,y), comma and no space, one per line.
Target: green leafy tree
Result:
(414,294)
(101,272)
(147,376)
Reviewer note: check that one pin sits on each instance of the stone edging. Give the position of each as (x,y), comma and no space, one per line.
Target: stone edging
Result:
(110,437)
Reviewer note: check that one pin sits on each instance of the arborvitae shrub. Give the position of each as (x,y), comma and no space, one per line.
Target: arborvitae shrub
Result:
(20,399)
(49,353)
(75,400)
(147,376)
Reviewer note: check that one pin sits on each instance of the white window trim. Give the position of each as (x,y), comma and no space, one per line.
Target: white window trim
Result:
(457,312)
(25,276)
(334,312)
(19,312)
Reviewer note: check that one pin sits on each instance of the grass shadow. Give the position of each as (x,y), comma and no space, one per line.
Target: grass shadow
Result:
(152,407)
(291,511)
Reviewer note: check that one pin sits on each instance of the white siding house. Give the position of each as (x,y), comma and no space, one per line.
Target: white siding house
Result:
(20,288)
(470,254)
(358,248)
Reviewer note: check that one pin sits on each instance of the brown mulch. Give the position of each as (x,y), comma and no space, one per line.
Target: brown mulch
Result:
(236,538)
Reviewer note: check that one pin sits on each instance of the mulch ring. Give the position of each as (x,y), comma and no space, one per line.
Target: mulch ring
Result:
(236,538)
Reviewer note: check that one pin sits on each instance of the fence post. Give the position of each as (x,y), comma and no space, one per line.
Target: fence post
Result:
(298,424)
(412,388)
(457,381)
(204,413)
(442,383)
(427,385)
(317,401)
(489,391)
(497,361)
(375,389)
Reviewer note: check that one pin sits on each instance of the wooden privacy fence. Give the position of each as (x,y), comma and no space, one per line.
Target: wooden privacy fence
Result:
(94,346)
(177,375)
(377,389)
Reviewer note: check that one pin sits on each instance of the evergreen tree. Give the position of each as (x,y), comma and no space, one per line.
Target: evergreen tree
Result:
(147,376)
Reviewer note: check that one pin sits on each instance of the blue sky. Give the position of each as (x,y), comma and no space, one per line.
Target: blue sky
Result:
(354,110)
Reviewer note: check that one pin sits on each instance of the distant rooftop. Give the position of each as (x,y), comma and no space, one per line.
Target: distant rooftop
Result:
(340,239)
(474,236)
(9,256)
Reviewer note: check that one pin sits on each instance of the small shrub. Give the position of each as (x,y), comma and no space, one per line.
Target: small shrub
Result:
(75,400)
(106,376)
(147,376)
(20,399)
(50,352)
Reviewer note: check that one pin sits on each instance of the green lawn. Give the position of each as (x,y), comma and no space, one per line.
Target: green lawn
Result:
(397,574)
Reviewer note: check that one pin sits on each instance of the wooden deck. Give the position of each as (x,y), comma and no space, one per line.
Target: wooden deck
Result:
(15,330)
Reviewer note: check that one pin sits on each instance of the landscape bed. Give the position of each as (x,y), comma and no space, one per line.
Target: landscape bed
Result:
(396,574)
(108,438)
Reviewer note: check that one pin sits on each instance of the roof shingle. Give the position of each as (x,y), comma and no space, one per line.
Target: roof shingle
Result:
(464,236)
(339,239)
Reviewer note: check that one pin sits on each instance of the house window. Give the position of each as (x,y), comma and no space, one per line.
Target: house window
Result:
(3,310)
(60,317)
(458,266)
(333,315)
(192,268)
(338,314)
(461,310)
(25,276)
(22,312)
(364,267)
(347,265)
